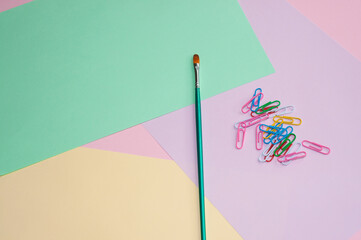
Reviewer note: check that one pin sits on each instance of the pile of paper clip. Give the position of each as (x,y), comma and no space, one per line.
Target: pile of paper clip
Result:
(279,135)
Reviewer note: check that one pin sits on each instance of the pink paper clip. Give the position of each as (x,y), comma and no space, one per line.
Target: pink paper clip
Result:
(294,148)
(252,121)
(291,156)
(259,138)
(316,147)
(247,107)
(238,141)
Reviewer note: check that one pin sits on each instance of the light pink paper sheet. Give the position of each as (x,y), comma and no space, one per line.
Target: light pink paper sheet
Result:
(8,4)
(340,19)
(357,236)
(313,198)
(135,140)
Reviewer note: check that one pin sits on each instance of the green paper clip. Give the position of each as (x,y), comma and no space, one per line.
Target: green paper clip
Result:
(284,145)
(266,107)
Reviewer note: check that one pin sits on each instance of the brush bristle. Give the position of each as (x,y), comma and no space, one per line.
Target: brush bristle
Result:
(195,58)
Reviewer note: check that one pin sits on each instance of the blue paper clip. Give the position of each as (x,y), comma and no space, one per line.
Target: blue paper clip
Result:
(272,129)
(270,140)
(275,124)
(277,136)
(256,102)
(285,133)
(272,132)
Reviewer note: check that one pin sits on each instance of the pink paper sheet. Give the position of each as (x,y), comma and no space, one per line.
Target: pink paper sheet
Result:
(340,19)
(8,4)
(357,236)
(135,140)
(313,198)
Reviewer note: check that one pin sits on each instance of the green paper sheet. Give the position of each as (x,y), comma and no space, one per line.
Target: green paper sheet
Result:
(74,71)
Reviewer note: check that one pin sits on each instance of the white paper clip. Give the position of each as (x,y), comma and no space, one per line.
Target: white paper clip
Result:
(284,111)
(267,154)
(294,149)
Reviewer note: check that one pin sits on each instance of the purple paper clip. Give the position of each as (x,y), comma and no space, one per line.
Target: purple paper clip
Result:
(239,130)
(316,147)
(259,138)
(247,107)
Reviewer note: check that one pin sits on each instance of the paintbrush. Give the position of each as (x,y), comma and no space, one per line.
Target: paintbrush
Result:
(199,147)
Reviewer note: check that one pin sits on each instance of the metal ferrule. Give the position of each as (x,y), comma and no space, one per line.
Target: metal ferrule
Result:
(196,71)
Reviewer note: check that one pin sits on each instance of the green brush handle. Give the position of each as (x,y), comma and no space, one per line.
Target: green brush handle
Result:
(200,163)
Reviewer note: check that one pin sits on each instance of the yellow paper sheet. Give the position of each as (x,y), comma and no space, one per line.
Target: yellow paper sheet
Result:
(94,194)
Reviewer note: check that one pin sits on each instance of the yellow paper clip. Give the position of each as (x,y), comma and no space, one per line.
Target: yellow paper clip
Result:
(288,120)
(277,123)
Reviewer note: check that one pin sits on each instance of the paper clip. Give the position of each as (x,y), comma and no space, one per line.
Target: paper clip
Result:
(271,155)
(284,148)
(252,121)
(272,133)
(316,147)
(267,154)
(254,114)
(279,136)
(286,159)
(285,110)
(270,128)
(268,107)
(294,148)
(285,133)
(255,102)
(247,107)
(275,124)
(259,138)
(243,130)
(285,145)
(278,133)
(264,153)
(291,120)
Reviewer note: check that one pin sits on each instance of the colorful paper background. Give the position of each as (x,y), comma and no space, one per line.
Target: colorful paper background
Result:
(94,194)
(8,4)
(338,18)
(135,140)
(73,72)
(314,198)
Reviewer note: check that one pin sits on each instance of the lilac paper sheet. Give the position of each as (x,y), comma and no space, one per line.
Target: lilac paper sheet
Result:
(314,198)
